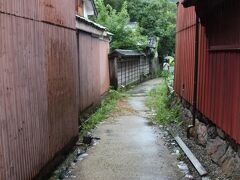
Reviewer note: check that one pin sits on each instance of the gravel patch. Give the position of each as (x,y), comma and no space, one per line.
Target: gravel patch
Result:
(214,171)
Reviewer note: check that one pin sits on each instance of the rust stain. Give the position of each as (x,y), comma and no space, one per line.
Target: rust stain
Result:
(60,12)
(93,70)
(38,106)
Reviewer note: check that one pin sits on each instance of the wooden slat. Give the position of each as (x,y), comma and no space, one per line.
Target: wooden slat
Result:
(201,170)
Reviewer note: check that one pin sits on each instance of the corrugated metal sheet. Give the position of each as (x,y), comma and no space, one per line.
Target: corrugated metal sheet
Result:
(61,50)
(38,108)
(224,24)
(60,12)
(223,92)
(185,52)
(93,69)
(185,18)
(104,66)
(219,75)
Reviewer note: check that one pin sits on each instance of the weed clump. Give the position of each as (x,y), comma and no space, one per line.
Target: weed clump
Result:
(162,100)
(103,111)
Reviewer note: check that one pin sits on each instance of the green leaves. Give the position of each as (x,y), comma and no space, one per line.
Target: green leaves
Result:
(161,101)
(107,105)
(158,18)
(116,22)
(154,17)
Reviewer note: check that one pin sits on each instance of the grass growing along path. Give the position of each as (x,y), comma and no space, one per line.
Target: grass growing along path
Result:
(102,112)
(164,105)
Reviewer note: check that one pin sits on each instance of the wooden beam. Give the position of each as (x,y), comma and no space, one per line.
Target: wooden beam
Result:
(201,170)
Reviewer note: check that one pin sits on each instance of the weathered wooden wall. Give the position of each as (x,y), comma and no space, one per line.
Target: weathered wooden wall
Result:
(93,69)
(127,70)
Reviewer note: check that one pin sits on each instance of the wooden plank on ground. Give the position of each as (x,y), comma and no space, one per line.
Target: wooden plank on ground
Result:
(201,170)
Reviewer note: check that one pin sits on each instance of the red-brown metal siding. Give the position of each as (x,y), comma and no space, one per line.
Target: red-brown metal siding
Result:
(60,12)
(185,50)
(225,76)
(93,70)
(61,50)
(38,110)
(219,75)
(104,66)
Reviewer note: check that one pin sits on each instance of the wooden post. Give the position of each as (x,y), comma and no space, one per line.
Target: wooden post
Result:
(113,68)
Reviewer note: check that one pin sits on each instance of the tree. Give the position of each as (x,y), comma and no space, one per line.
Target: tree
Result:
(115,4)
(156,18)
(135,8)
(116,22)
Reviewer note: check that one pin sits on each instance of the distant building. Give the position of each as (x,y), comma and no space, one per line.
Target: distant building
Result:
(86,8)
(132,25)
(127,67)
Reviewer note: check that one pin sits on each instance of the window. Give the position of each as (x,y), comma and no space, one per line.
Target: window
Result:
(79,7)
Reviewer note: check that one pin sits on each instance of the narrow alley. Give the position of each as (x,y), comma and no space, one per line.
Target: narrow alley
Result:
(119,90)
(130,148)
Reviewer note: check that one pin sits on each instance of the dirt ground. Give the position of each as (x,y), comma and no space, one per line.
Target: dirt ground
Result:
(130,147)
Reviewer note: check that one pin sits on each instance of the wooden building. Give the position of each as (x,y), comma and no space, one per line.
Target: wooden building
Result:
(127,67)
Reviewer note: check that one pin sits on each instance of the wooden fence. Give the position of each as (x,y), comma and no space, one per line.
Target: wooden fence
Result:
(127,70)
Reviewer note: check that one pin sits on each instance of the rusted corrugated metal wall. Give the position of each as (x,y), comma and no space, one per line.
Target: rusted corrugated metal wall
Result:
(221,63)
(185,52)
(93,69)
(104,66)
(59,12)
(38,89)
(219,75)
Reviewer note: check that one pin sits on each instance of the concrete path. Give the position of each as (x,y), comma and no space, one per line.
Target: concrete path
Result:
(129,148)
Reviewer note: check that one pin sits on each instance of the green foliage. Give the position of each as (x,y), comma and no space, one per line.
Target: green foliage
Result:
(107,105)
(163,104)
(116,22)
(156,18)
(116,4)
(135,9)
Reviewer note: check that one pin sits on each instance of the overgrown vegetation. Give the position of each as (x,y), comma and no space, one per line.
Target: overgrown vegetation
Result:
(103,111)
(117,23)
(162,100)
(154,18)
